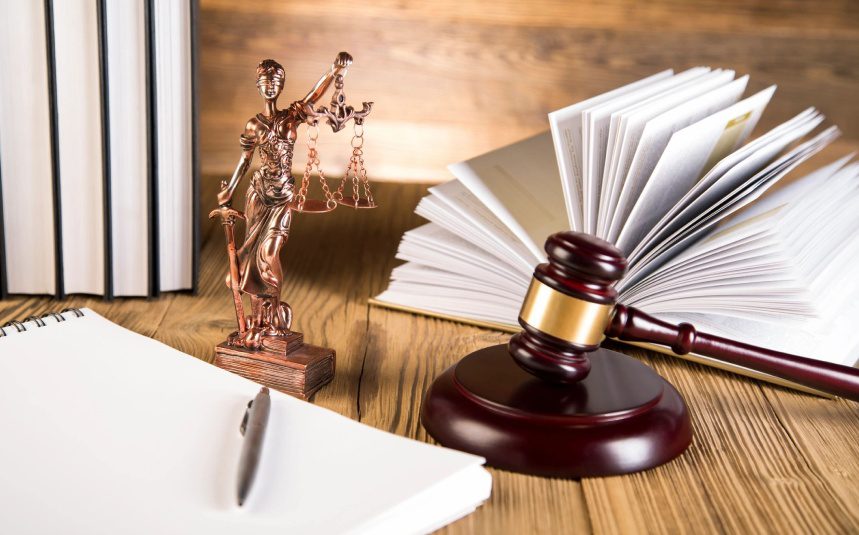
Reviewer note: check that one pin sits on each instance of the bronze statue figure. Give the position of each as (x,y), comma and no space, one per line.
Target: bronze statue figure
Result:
(272,197)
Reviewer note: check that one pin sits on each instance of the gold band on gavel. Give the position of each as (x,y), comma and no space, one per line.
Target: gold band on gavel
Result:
(562,316)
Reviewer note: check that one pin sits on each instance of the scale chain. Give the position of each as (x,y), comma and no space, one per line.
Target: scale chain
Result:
(313,161)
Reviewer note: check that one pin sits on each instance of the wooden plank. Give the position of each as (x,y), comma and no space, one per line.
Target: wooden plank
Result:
(775,16)
(751,476)
(763,459)
(825,432)
(454,80)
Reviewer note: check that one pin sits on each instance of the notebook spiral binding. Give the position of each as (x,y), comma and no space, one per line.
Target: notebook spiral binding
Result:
(39,320)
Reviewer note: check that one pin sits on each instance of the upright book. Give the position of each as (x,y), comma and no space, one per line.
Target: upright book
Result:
(661,168)
(98,153)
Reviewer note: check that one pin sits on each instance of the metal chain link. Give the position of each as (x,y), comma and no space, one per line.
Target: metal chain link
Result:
(313,161)
(356,171)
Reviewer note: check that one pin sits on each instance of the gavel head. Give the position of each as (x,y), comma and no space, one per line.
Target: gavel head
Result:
(568,306)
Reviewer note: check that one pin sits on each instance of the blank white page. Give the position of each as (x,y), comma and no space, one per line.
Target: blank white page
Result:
(108,431)
(79,142)
(25,153)
(129,158)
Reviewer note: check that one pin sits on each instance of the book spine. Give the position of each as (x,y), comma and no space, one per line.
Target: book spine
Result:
(4,286)
(154,261)
(105,143)
(195,144)
(59,291)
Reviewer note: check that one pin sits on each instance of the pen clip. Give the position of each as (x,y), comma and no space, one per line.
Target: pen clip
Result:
(244,425)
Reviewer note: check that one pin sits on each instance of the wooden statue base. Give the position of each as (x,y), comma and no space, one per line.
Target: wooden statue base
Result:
(284,363)
(621,418)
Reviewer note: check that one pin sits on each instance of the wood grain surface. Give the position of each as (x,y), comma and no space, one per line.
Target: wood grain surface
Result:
(452,79)
(763,459)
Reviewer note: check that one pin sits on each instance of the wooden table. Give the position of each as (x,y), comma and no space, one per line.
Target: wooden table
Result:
(764,459)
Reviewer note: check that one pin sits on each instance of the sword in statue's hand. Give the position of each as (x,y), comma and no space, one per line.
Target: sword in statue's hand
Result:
(228,219)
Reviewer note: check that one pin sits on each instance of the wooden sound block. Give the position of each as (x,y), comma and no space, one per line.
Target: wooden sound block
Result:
(622,418)
(284,363)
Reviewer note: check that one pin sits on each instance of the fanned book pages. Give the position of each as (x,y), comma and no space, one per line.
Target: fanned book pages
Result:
(108,431)
(667,169)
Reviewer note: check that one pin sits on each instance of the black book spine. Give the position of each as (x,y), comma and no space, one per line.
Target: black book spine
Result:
(59,290)
(105,144)
(152,171)
(4,286)
(195,145)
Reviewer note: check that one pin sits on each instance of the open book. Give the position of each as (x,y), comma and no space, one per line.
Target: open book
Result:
(108,431)
(663,169)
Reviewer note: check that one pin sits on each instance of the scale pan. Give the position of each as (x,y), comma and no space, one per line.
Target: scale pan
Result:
(312,206)
(360,203)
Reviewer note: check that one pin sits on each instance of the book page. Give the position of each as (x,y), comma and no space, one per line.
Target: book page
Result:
(434,209)
(730,201)
(25,163)
(712,192)
(431,245)
(767,278)
(566,128)
(519,183)
(633,121)
(655,137)
(421,274)
(596,122)
(79,134)
(125,34)
(628,124)
(790,192)
(681,163)
(174,116)
(470,210)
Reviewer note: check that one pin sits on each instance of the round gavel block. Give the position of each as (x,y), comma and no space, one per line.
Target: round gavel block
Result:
(622,418)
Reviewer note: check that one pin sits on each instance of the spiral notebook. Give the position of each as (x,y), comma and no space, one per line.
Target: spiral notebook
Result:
(108,431)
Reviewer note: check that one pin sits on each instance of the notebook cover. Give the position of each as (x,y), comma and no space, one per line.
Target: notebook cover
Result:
(700,359)
(59,290)
(105,145)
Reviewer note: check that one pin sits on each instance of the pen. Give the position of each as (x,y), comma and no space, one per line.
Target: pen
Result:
(253,429)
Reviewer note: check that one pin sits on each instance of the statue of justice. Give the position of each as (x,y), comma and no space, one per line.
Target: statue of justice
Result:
(255,268)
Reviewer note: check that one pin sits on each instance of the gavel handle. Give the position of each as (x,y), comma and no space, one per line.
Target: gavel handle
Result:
(634,325)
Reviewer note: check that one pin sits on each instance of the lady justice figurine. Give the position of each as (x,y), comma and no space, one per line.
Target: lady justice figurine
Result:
(263,347)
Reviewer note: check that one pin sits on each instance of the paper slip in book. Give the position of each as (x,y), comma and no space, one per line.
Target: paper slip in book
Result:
(668,169)
(107,431)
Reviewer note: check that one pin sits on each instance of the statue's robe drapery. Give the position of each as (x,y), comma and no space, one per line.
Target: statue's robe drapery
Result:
(268,214)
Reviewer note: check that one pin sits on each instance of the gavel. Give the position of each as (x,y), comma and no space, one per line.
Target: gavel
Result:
(571,306)
(553,402)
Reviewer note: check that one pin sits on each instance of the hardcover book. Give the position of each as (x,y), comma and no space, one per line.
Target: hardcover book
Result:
(99,174)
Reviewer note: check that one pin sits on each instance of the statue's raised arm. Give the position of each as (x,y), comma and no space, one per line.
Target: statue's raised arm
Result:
(341,63)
